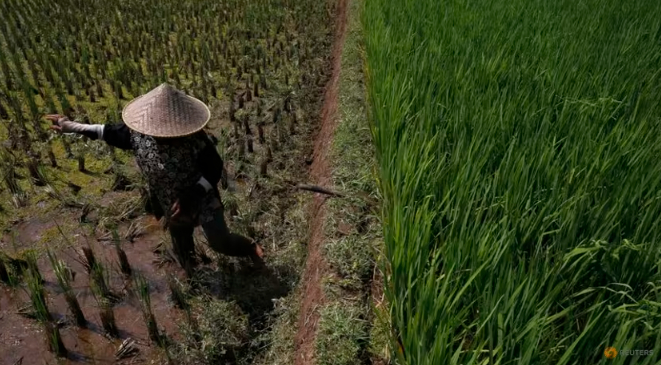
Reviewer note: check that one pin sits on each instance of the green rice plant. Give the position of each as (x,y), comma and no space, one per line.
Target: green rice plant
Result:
(4,273)
(37,172)
(54,340)
(142,288)
(33,268)
(249,144)
(37,295)
(242,148)
(121,255)
(64,277)
(9,176)
(104,301)
(88,258)
(517,144)
(111,59)
(99,278)
(15,268)
(121,181)
(81,162)
(51,156)
(260,133)
(192,327)
(107,315)
(67,147)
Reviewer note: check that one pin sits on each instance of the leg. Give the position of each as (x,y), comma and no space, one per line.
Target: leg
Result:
(230,244)
(184,246)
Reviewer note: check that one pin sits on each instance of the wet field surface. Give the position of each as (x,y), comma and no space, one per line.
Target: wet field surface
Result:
(23,338)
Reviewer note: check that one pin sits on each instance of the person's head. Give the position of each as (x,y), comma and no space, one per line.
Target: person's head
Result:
(167,114)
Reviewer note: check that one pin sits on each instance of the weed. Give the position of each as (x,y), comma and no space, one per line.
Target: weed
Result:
(223,332)
(340,333)
(351,257)
(343,334)
(177,294)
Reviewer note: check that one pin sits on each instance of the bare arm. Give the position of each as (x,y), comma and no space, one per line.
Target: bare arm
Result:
(117,135)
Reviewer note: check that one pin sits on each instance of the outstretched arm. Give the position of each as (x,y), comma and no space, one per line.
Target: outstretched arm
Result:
(117,135)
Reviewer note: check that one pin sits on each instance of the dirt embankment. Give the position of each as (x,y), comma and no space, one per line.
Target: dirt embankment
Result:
(320,174)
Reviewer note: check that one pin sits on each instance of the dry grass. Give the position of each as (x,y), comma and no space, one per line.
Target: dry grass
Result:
(347,323)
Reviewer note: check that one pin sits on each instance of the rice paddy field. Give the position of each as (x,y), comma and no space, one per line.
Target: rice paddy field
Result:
(86,274)
(518,146)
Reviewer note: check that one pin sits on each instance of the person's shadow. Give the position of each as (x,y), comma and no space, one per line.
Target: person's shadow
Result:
(253,290)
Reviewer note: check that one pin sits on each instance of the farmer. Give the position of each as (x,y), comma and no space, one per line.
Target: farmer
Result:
(181,165)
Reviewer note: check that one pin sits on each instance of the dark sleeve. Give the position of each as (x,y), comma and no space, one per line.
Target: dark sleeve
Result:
(210,163)
(90,134)
(117,135)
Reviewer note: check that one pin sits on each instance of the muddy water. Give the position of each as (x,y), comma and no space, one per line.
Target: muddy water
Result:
(28,231)
(23,338)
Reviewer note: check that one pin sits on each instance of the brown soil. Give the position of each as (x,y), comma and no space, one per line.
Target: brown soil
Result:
(23,338)
(320,174)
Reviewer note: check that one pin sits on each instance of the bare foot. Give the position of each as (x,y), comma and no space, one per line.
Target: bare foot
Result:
(259,251)
(258,256)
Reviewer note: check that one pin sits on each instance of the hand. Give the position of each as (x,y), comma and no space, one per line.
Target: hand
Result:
(58,121)
(183,215)
(187,206)
(177,217)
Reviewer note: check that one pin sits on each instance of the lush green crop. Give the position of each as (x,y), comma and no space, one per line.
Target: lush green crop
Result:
(518,145)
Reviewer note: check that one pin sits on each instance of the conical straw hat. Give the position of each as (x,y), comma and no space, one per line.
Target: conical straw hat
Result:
(166,112)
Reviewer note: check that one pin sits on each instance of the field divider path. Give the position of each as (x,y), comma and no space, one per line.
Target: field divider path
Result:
(320,174)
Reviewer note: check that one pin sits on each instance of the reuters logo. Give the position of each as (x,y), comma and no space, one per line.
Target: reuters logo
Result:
(610,352)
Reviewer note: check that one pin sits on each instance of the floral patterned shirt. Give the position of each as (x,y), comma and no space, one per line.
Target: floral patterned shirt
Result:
(170,168)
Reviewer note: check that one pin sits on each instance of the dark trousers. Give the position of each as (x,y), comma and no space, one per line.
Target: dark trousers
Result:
(218,235)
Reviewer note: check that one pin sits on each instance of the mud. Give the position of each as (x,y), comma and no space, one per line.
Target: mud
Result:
(320,173)
(29,231)
(23,338)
